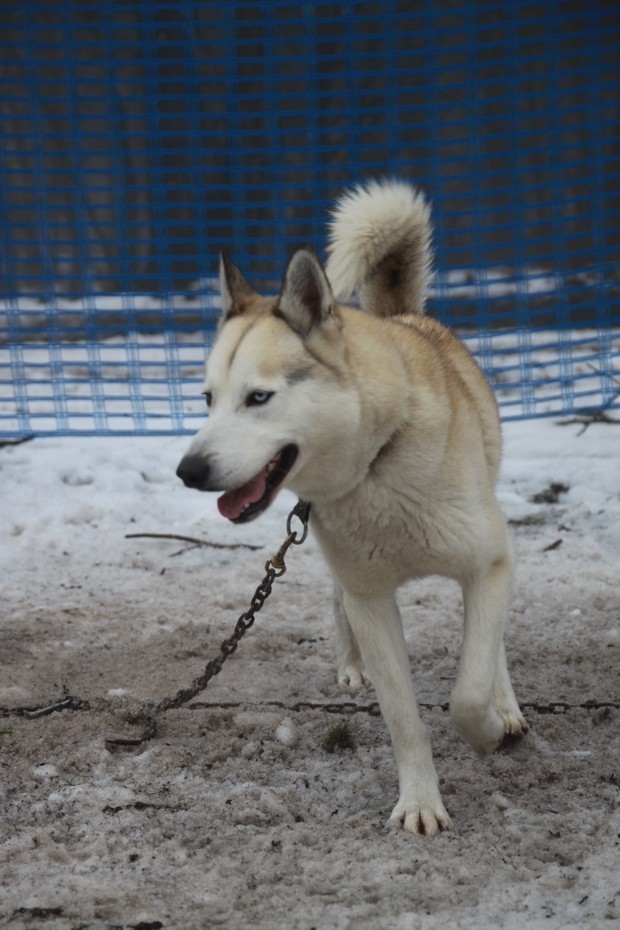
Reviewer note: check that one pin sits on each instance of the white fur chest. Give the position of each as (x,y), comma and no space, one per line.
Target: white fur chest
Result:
(376,541)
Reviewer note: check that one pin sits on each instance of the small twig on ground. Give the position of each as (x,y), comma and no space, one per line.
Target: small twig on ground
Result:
(192,540)
(597,416)
(69,702)
(588,419)
(15,442)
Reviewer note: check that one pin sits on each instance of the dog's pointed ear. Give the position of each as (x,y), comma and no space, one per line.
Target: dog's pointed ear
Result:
(232,286)
(306,300)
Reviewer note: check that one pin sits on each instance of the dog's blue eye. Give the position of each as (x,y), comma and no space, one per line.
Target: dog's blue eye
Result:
(256,398)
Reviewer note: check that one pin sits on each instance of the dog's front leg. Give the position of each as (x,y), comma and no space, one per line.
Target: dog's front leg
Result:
(378,629)
(483,706)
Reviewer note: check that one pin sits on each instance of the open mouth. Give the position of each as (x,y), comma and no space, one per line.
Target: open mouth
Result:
(247,502)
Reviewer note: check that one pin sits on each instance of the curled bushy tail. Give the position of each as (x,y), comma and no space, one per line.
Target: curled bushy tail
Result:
(380,247)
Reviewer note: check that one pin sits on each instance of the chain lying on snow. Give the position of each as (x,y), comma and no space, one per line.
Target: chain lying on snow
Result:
(553,708)
(274,568)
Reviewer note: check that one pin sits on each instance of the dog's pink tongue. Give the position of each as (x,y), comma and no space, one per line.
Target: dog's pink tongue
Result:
(232,503)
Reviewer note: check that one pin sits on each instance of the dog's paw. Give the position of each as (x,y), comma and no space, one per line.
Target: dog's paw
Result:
(515,725)
(425,818)
(481,727)
(352,677)
(488,728)
(506,704)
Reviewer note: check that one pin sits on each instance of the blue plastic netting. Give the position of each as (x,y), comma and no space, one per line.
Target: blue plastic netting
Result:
(139,137)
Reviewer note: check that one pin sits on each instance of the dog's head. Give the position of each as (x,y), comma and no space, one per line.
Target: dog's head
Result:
(281,405)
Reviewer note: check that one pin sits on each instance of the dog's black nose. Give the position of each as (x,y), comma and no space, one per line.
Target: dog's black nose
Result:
(193,472)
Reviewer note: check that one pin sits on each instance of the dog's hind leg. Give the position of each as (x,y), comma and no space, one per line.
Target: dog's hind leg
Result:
(377,626)
(483,706)
(351,671)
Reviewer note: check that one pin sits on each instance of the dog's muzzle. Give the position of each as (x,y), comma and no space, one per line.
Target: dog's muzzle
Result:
(194,472)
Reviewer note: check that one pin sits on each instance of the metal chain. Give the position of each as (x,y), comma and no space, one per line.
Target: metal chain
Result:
(274,568)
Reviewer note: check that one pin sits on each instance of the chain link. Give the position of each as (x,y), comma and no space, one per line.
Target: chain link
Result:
(274,568)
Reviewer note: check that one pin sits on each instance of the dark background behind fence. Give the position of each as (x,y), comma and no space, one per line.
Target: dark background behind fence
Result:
(139,137)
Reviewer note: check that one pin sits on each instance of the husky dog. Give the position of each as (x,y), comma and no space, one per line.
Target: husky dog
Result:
(383,421)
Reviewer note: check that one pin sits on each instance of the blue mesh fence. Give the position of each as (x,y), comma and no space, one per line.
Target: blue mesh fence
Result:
(139,137)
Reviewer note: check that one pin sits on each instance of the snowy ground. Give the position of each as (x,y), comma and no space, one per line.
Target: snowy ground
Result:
(224,817)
